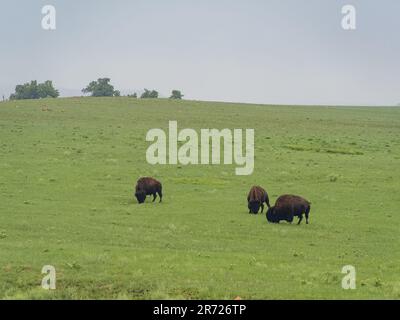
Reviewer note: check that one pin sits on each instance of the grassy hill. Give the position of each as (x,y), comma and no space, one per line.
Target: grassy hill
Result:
(68,168)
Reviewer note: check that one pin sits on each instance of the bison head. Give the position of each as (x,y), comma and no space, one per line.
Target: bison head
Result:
(254,206)
(272,216)
(140,196)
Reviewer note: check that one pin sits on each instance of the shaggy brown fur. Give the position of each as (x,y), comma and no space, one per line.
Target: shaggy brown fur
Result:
(287,207)
(148,186)
(256,198)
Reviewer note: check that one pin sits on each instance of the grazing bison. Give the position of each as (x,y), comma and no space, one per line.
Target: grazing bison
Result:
(287,207)
(256,198)
(147,186)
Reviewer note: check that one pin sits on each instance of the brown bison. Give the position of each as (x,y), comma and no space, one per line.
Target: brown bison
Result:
(287,207)
(147,186)
(256,198)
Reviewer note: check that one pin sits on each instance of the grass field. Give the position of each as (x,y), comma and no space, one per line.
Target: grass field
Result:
(68,168)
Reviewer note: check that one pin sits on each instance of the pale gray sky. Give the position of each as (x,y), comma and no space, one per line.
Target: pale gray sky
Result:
(267,51)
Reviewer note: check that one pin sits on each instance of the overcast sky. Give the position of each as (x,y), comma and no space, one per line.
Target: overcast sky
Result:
(267,51)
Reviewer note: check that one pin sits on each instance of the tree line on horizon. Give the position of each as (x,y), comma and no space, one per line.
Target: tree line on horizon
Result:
(35,90)
(98,88)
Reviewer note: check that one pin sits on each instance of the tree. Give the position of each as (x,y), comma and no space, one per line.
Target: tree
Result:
(46,89)
(26,91)
(134,95)
(33,90)
(101,88)
(147,94)
(176,94)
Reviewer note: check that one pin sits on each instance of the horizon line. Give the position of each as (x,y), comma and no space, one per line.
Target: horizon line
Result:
(216,101)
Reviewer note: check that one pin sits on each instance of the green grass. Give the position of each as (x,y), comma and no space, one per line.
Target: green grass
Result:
(68,168)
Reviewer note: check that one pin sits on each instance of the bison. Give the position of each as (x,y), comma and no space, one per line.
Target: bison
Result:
(256,198)
(287,207)
(148,186)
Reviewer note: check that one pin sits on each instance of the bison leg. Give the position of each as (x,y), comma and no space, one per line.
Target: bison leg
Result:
(307,214)
(160,194)
(300,219)
(154,196)
(262,207)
